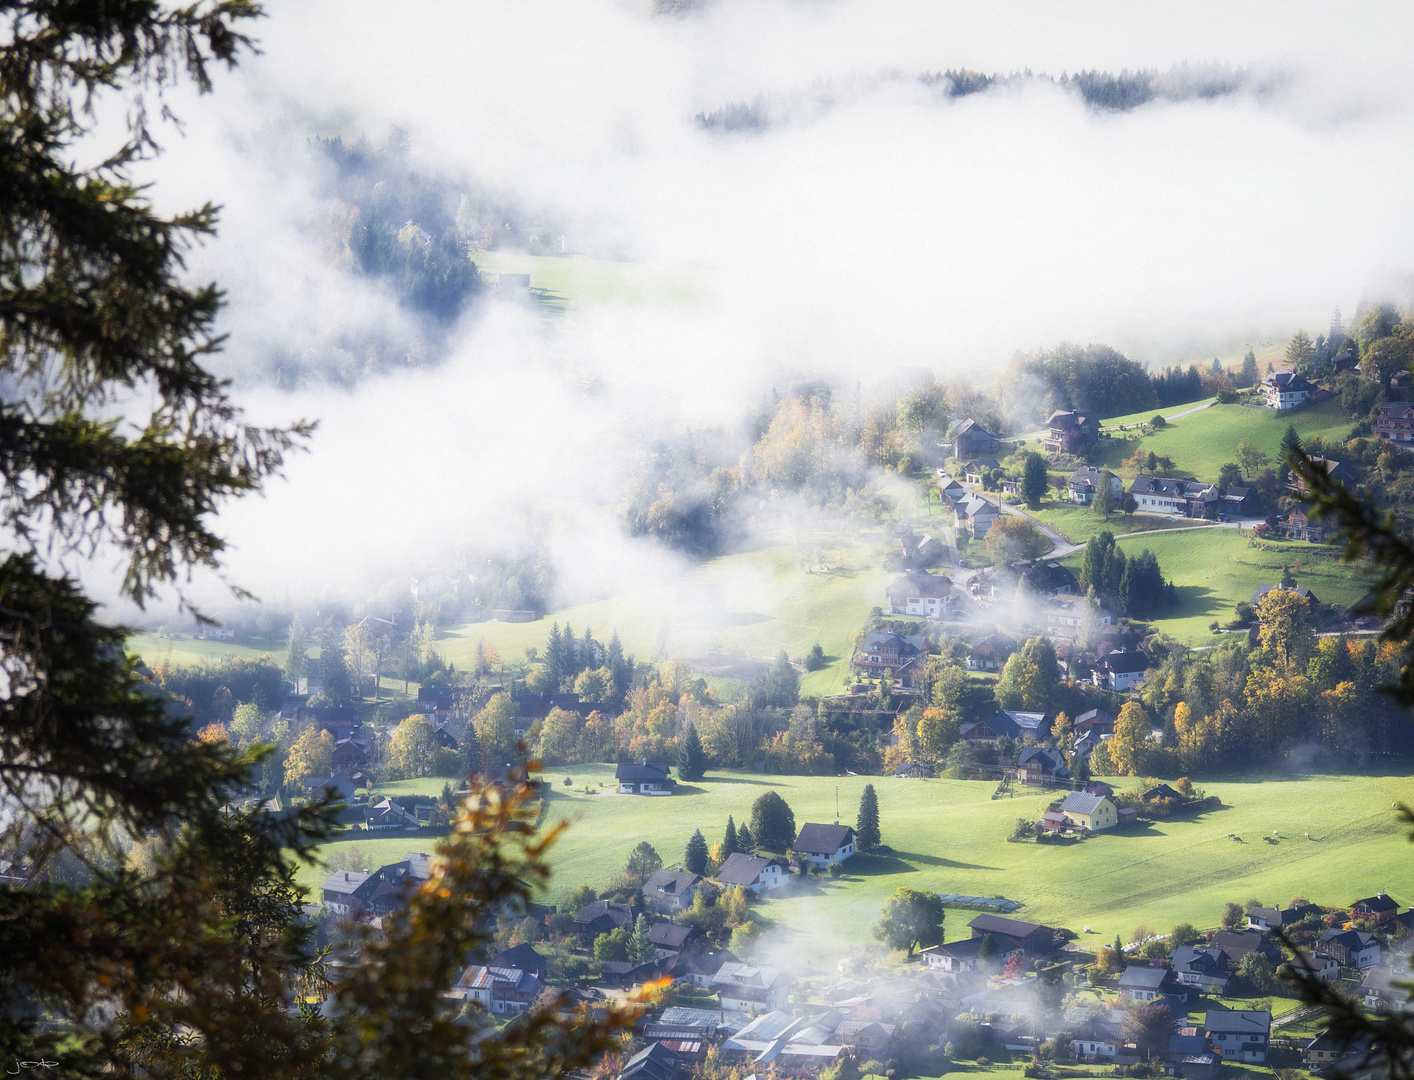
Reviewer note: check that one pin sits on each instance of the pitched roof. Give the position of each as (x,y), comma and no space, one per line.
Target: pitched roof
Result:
(1013,723)
(975,506)
(643,772)
(1378,902)
(670,882)
(1124,662)
(619,914)
(1137,977)
(345,881)
(1238,1022)
(1081,802)
(998,924)
(668,935)
(972,427)
(743,869)
(903,643)
(822,839)
(1288,382)
(1093,716)
(1050,758)
(920,583)
(653,1062)
(522,957)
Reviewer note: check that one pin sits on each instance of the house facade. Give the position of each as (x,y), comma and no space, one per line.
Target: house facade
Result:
(825,844)
(972,440)
(671,891)
(1120,671)
(976,514)
(1301,526)
(1012,724)
(1163,495)
(1350,948)
(746,988)
(919,593)
(991,653)
(753,872)
(959,956)
(1084,483)
(1395,424)
(1088,813)
(1041,766)
(645,778)
(1283,390)
(1036,940)
(1071,430)
(902,655)
(1379,908)
(1240,1035)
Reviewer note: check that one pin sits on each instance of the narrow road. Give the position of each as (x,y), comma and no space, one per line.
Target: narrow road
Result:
(1190,412)
(1062,545)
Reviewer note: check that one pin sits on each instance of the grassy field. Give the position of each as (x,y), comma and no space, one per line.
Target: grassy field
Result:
(1079,523)
(1148,414)
(948,836)
(1214,568)
(184,649)
(749,604)
(1202,443)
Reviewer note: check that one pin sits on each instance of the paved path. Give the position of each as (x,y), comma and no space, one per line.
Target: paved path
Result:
(1062,545)
(1190,412)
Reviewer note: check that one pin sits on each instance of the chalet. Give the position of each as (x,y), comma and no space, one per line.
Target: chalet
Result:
(1301,526)
(1119,671)
(600,917)
(1085,482)
(1334,470)
(901,655)
(671,891)
(1161,792)
(1305,594)
(386,814)
(1036,940)
(338,787)
(1071,430)
(670,939)
(522,957)
(1202,967)
(1326,1049)
(446,737)
(1283,390)
(1088,813)
(991,653)
(1096,720)
(753,872)
(655,1061)
(350,756)
(1053,578)
(1322,968)
(1011,487)
(1238,500)
(503,991)
(1239,1035)
(958,956)
(1066,614)
(346,892)
(1261,918)
(1087,742)
(922,550)
(645,778)
(919,593)
(1395,424)
(745,988)
(1163,495)
(977,470)
(913,770)
(1041,766)
(438,702)
(971,440)
(1349,948)
(1140,983)
(1379,908)
(825,844)
(1009,724)
(1237,944)
(1383,991)
(394,883)
(976,514)
(951,491)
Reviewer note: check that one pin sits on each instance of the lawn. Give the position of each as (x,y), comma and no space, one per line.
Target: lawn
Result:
(1148,414)
(162,649)
(948,836)
(575,281)
(1214,568)
(1079,523)
(1202,443)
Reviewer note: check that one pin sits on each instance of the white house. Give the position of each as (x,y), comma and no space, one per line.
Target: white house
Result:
(746,988)
(1284,390)
(1118,671)
(645,778)
(1084,484)
(753,872)
(919,593)
(825,844)
(976,513)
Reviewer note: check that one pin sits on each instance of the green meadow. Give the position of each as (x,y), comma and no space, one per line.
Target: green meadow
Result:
(573,281)
(949,836)
(1078,523)
(1202,443)
(1213,568)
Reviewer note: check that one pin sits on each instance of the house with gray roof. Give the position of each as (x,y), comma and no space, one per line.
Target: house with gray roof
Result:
(670,891)
(645,778)
(976,514)
(825,844)
(1240,1034)
(753,872)
(1140,983)
(1087,812)
(1009,723)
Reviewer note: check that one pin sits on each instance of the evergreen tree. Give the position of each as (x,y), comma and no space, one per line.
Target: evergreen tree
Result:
(1289,442)
(640,946)
(695,858)
(1082,771)
(744,840)
(614,661)
(729,840)
(469,752)
(778,686)
(866,826)
(334,680)
(555,655)
(1249,369)
(692,761)
(570,666)
(1034,479)
(589,651)
(296,650)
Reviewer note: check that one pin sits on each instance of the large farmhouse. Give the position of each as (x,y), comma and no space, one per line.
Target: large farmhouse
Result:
(1283,390)
(919,593)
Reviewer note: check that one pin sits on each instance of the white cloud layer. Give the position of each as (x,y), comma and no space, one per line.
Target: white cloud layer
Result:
(895,230)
